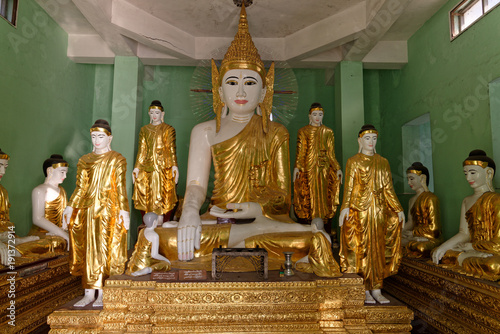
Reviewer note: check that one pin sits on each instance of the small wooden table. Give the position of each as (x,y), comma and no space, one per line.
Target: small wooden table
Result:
(222,256)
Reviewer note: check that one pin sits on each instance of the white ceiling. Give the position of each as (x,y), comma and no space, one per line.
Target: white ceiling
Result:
(304,33)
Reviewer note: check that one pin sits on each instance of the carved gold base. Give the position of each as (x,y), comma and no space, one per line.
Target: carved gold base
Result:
(446,301)
(25,302)
(239,304)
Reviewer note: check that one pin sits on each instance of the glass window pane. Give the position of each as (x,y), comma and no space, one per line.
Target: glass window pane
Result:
(472,14)
(489,4)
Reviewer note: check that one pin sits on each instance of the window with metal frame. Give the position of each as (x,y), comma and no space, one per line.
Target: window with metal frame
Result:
(8,10)
(467,12)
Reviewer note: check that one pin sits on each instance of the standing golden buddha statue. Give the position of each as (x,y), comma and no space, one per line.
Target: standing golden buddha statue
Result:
(155,173)
(97,215)
(422,232)
(371,218)
(475,249)
(317,175)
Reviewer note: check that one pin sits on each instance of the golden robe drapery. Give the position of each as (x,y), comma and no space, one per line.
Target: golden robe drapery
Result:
(315,246)
(426,217)
(154,187)
(316,190)
(141,257)
(98,237)
(483,219)
(4,210)
(45,247)
(370,240)
(254,167)
(53,212)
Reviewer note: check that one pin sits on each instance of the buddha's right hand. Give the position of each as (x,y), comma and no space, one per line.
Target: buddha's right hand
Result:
(68,212)
(188,234)
(438,253)
(344,214)
(135,174)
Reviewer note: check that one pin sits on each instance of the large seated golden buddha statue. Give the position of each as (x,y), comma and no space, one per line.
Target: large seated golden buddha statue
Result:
(475,249)
(252,173)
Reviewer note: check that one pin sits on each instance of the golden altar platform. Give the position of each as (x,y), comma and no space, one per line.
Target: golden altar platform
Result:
(238,303)
(29,293)
(445,301)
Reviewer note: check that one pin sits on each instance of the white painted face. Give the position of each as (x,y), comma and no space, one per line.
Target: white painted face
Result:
(101,142)
(59,174)
(368,142)
(316,118)
(155,116)
(475,175)
(242,90)
(414,181)
(4,163)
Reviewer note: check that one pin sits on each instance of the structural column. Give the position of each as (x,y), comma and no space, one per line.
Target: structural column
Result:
(349,108)
(126,111)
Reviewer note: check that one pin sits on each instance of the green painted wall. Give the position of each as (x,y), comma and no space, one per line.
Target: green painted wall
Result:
(47,103)
(449,80)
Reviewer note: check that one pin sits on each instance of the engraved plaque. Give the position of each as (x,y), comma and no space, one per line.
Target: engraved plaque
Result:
(165,275)
(187,275)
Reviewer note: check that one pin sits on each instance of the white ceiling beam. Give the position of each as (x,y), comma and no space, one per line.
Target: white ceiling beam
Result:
(147,29)
(89,49)
(387,55)
(97,14)
(376,28)
(326,34)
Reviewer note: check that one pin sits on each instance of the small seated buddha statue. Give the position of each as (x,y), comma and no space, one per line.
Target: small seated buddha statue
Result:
(422,232)
(49,199)
(475,249)
(27,249)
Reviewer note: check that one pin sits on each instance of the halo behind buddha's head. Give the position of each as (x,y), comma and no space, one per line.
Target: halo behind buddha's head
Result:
(55,161)
(418,168)
(242,54)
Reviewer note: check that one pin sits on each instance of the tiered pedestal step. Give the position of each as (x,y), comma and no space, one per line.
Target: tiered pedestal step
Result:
(239,303)
(445,301)
(30,293)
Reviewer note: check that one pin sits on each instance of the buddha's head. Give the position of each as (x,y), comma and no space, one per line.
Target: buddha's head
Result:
(4,163)
(150,219)
(479,170)
(55,169)
(316,114)
(100,134)
(367,139)
(156,113)
(418,177)
(242,85)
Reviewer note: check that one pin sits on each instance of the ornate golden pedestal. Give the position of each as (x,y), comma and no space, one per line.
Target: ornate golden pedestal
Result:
(447,301)
(33,292)
(239,303)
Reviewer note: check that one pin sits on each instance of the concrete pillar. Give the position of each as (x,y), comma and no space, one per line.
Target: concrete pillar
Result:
(349,108)
(126,118)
